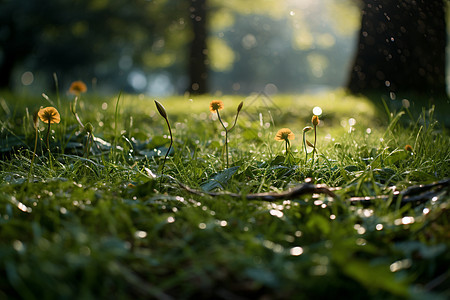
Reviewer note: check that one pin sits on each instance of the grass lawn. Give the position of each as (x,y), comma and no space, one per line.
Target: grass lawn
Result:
(103,215)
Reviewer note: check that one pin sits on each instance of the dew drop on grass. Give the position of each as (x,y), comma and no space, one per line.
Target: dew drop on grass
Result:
(140,234)
(170,219)
(404,221)
(405,103)
(202,225)
(360,229)
(379,227)
(400,264)
(351,122)
(85,250)
(289,238)
(361,242)
(18,246)
(319,270)
(276,213)
(296,251)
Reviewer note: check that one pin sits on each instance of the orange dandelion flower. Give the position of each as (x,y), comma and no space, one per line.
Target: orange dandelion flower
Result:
(215,105)
(49,115)
(77,87)
(284,134)
(409,148)
(315,120)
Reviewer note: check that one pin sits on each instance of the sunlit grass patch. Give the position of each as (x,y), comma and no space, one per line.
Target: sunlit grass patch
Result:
(114,223)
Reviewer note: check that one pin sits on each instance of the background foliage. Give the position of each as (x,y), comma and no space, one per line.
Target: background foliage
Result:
(143,45)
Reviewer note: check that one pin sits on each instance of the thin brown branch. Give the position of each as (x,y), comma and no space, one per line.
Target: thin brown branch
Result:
(415,194)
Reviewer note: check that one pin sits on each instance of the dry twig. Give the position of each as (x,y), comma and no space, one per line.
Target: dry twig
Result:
(414,194)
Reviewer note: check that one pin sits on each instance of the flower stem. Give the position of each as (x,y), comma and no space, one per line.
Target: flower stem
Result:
(304,145)
(48,136)
(226,136)
(48,146)
(315,138)
(170,146)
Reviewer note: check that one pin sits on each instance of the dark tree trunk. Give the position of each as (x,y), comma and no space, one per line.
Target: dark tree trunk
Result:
(401,49)
(6,68)
(15,48)
(198,57)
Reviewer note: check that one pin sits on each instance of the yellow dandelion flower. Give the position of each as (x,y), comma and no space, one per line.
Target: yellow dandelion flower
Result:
(215,105)
(315,120)
(284,134)
(77,87)
(49,115)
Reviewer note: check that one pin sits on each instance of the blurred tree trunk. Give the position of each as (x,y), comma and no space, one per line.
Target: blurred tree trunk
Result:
(198,58)
(401,49)
(14,47)
(6,68)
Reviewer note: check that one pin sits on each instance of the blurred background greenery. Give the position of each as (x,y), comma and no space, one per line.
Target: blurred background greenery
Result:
(143,46)
(148,46)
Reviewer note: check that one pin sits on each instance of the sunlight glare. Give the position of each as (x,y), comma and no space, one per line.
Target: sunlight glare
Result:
(317,111)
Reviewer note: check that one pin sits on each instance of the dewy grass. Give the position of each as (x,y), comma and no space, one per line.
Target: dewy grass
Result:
(116,127)
(102,228)
(36,129)
(315,121)
(88,128)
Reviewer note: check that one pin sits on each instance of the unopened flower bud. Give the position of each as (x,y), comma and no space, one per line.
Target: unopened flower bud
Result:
(315,120)
(240,106)
(89,128)
(161,109)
